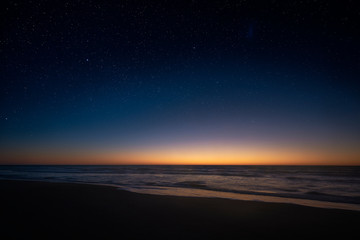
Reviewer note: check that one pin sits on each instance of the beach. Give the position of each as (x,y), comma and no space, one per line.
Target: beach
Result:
(32,209)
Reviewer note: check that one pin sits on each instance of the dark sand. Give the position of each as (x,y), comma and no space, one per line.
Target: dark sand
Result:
(80,211)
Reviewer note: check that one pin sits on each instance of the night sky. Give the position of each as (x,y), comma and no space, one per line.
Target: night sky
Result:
(180,82)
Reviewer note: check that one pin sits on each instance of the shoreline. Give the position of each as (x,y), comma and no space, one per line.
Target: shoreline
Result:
(204,193)
(38,208)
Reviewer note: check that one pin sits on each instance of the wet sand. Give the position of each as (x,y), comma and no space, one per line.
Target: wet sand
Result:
(81,211)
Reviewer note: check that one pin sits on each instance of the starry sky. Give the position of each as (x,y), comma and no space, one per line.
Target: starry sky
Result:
(179,82)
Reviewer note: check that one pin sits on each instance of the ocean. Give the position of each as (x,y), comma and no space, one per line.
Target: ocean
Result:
(316,186)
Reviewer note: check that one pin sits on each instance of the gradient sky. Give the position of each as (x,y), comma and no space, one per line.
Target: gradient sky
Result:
(180,82)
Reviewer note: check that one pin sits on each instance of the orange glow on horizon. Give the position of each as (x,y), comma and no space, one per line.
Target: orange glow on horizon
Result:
(192,155)
(233,156)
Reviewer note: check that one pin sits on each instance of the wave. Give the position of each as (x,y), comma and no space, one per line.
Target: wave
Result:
(335,184)
(192,184)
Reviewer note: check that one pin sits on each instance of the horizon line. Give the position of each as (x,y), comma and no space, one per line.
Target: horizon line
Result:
(312,165)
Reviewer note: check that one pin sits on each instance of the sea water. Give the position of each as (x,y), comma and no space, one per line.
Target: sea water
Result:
(317,186)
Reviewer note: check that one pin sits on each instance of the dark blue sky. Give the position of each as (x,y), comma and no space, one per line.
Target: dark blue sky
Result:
(127,75)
